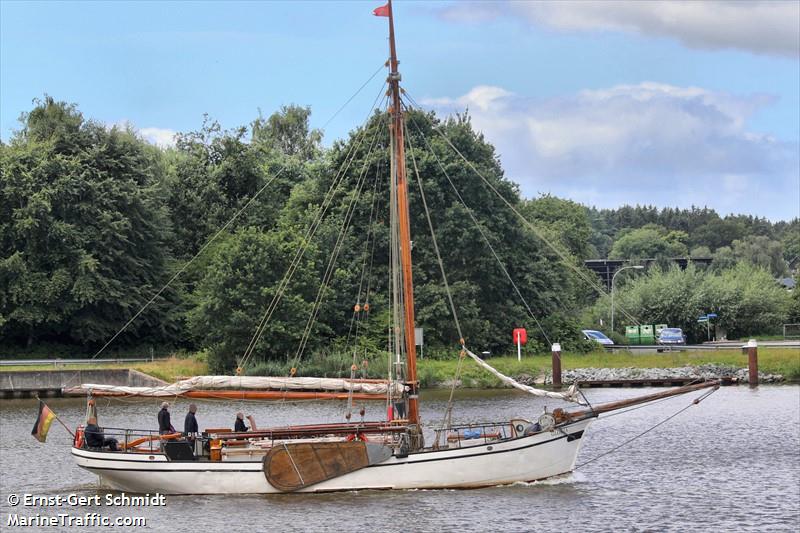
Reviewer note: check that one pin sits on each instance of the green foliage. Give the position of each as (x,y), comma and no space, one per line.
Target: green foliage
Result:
(82,232)
(723,259)
(700,251)
(794,307)
(486,303)
(650,241)
(240,281)
(746,299)
(703,227)
(566,221)
(287,132)
(763,252)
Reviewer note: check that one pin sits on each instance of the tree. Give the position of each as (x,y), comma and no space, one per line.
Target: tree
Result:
(761,251)
(700,252)
(723,259)
(83,231)
(791,245)
(717,233)
(566,221)
(239,282)
(287,131)
(650,241)
(486,303)
(214,173)
(746,299)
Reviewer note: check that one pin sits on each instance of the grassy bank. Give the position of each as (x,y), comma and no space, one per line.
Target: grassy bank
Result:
(783,361)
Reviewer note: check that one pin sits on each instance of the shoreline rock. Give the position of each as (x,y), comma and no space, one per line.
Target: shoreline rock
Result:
(706,371)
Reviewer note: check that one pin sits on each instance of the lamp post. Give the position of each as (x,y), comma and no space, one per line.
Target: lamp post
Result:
(637,267)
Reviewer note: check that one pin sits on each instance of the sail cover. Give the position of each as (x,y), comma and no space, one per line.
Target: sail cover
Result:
(570,395)
(254,383)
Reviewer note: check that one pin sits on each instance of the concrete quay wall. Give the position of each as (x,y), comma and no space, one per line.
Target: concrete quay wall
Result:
(50,383)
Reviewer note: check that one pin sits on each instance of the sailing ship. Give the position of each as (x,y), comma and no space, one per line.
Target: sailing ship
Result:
(353,455)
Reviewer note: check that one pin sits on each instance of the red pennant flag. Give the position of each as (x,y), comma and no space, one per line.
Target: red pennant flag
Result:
(382,11)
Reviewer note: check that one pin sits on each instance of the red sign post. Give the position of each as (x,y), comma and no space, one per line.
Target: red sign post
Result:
(520,337)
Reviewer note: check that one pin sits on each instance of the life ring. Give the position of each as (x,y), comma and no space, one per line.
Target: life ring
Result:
(78,443)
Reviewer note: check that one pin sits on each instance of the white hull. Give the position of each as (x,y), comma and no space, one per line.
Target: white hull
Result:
(530,458)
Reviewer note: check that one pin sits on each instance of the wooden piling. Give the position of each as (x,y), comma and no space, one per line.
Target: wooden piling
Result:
(752,362)
(556,366)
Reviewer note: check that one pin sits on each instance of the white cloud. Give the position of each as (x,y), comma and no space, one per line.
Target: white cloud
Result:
(162,137)
(763,27)
(159,136)
(647,143)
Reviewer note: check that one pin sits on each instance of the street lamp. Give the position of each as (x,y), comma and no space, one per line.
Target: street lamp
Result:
(637,267)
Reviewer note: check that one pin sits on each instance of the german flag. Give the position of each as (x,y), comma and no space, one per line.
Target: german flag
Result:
(43,421)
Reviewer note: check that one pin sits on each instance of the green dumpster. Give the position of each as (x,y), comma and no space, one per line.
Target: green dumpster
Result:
(632,334)
(646,335)
(659,327)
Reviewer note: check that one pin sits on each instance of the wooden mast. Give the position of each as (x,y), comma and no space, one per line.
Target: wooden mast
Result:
(405,227)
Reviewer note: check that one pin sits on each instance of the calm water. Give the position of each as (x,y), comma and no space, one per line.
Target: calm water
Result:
(731,463)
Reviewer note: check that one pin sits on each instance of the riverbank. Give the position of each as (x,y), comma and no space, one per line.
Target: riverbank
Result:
(597,366)
(775,365)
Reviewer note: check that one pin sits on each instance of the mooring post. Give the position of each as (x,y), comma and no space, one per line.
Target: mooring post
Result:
(556,366)
(752,362)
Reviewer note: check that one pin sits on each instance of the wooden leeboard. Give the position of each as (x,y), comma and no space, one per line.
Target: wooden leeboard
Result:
(290,467)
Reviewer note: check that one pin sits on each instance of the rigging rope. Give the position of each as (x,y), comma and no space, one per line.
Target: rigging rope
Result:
(368,253)
(645,432)
(564,256)
(234,217)
(380,68)
(348,217)
(433,239)
(483,234)
(186,265)
(447,421)
(311,231)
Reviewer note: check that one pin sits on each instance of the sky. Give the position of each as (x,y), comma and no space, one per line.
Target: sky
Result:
(606,103)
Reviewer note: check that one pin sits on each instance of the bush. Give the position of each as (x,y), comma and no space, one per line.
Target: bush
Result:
(745,298)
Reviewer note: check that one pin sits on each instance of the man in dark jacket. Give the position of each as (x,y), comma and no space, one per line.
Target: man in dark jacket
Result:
(164,424)
(190,423)
(240,427)
(95,437)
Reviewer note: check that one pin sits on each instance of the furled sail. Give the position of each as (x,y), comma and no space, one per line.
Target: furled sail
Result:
(227,383)
(570,395)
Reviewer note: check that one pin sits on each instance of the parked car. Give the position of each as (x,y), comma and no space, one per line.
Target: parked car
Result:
(671,336)
(597,336)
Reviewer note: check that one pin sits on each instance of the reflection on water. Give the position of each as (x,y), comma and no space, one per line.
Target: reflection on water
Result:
(731,463)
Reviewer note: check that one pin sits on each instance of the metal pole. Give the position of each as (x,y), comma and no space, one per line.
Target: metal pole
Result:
(612,303)
(556,352)
(519,348)
(752,362)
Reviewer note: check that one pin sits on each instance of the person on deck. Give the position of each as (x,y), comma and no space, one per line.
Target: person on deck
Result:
(240,427)
(95,437)
(190,427)
(164,424)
